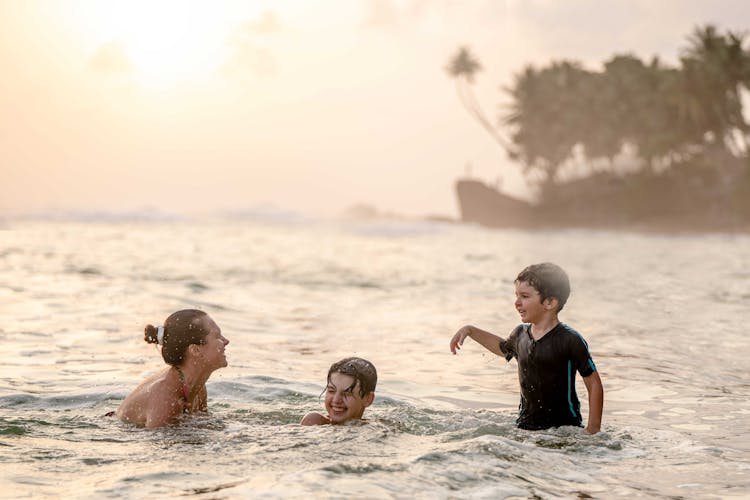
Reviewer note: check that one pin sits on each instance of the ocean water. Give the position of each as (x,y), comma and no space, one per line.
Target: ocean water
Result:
(665,317)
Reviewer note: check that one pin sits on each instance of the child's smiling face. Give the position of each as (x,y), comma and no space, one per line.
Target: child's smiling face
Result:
(343,399)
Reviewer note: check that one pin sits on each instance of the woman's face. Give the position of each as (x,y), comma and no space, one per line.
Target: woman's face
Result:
(214,343)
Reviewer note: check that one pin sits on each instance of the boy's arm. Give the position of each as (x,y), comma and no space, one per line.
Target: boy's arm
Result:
(596,402)
(490,341)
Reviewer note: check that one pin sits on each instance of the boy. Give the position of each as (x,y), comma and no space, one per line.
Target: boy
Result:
(548,353)
(350,389)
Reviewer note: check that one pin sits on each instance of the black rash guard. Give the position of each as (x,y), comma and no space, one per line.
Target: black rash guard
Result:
(547,373)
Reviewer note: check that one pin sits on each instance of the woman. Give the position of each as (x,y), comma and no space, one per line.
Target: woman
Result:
(193,347)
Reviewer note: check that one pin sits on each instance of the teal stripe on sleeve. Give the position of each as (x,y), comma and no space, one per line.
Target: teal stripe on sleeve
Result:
(570,390)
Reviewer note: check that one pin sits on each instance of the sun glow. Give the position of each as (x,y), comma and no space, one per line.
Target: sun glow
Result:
(165,41)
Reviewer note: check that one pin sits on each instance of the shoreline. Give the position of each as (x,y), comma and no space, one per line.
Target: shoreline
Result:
(658,212)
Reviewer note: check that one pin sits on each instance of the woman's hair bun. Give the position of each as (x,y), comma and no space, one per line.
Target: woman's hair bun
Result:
(151,333)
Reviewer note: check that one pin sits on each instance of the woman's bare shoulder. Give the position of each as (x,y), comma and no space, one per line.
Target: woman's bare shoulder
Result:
(157,395)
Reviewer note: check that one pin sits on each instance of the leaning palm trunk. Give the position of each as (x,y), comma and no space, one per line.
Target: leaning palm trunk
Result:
(468,99)
(462,67)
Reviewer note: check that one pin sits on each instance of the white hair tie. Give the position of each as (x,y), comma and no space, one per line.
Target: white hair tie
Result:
(160,335)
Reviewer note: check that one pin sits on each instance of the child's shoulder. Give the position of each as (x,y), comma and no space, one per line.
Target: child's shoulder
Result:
(314,418)
(572,332)
(567,328)
(518,329)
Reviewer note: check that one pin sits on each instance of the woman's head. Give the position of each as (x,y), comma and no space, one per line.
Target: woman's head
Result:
(181,330)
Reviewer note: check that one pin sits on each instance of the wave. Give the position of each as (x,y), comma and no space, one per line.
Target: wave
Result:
(97,216)
(267,213)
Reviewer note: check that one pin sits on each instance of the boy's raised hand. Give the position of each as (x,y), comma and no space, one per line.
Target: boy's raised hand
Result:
(490,341)
(458,338)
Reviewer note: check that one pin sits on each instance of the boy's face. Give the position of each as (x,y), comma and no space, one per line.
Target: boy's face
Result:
(529,303)
(343,400)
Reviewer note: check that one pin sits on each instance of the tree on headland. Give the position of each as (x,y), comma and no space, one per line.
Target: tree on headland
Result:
(637,137)
(462,67)
(563,113)
(715,69)
(546,117)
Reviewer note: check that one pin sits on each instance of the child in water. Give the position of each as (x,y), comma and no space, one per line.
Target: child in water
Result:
(193,347)
(350,389)
(548,353)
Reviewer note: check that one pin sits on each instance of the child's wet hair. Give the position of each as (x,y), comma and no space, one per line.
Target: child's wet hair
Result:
(362,370)
(181,329)
(549,279)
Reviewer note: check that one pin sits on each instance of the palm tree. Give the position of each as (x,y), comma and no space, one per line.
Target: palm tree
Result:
(549,117)
(640,107)
(462,67)
(716,67)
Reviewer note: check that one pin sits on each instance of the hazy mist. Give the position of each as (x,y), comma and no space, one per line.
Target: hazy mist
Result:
(308,106)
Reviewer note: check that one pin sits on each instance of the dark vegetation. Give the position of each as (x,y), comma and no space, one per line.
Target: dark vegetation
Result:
(637,142)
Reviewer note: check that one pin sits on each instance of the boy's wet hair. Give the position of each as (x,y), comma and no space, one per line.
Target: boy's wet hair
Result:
(362,370)
(549,280)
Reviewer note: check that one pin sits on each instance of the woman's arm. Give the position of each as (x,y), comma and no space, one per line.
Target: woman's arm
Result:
(596,402)
(490,341)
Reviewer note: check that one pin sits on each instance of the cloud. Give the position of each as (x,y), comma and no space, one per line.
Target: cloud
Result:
(382,13)
(249,60)
(268,24)
(248,56)
(111,58)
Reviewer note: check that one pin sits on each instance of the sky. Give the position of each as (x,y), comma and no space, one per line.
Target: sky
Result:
(311,107)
